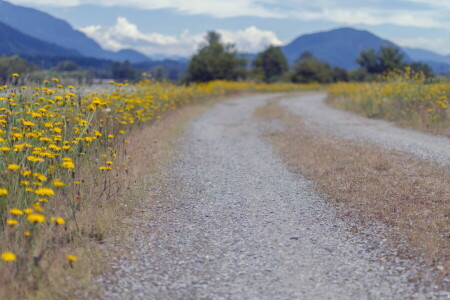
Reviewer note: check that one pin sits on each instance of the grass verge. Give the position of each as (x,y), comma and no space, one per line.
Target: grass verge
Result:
(371,184)
(144,159)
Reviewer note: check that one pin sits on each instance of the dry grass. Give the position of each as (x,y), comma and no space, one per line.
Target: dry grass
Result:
(147,156)
(370,184)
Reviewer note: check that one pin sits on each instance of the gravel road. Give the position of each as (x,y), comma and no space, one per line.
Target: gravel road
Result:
(236,224)
(313,109)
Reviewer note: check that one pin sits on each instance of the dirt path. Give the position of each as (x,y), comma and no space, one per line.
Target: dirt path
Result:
(313,109)
(236,224)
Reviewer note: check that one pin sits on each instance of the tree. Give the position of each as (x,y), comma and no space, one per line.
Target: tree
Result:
(418,67)
(215,60)
(66,66)
(125,71)
(309,69)
(14,64)
(270,65)
(384,60)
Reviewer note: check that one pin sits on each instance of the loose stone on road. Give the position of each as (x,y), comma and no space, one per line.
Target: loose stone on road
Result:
(237,224)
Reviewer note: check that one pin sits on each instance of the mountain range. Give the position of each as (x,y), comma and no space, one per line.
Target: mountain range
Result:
(47,28)
(35,35)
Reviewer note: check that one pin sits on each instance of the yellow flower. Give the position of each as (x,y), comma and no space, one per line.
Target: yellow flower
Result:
(36,218)
(26,173)
(15,75)
(13,167)
(60,221)
(37,207)
(108,162)
(8,256)
(34,158)
(3,192)
(43,200)
(12,222)
(40,176)
(58,183)
(44,192)
(72,258)
(15,211)
(27,233)
(5,149)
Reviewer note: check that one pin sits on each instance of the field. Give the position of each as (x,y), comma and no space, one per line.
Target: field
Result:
(410,99)
(64,160)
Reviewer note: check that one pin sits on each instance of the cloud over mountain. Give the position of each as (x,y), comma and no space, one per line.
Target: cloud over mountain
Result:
(125,34)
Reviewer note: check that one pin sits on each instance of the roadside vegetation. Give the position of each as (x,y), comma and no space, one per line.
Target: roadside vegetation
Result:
(409,98)
(372,186)
(63,162)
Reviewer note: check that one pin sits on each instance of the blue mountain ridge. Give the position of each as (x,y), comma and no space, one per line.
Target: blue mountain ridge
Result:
(45,27)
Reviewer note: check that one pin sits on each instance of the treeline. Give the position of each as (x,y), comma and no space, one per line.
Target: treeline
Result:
(82,70)
(219,60)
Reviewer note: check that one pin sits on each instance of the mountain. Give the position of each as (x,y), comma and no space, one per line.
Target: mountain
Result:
(13,42)
(45,27)
(339,47)
(439,63)
(425,55)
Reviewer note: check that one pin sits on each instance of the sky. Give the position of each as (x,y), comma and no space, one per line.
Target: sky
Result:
(177,27)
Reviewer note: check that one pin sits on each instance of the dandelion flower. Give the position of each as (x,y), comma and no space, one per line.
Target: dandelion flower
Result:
(13,167)
(72,258)
(15,211)
(12,222)
(44,192)
(60,221)
(8,256)
(58,183)
(36,218)
(3,192)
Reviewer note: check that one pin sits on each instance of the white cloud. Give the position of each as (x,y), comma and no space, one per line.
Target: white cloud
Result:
(416,13)
(432,44)
(126,35)
(222,9)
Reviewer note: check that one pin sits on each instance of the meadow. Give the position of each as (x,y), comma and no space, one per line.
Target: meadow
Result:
(406,97)
(63,157)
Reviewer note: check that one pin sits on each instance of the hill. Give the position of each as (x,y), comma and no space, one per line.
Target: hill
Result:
(47,28)
(13,42)
(339,47)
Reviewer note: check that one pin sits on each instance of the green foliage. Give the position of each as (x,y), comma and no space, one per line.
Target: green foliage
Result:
(310,69)
(216,60)
(270,65)
(66,65)
(384,60)
(14,64)
(125,72)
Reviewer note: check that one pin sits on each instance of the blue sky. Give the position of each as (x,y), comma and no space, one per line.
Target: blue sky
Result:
(176,27)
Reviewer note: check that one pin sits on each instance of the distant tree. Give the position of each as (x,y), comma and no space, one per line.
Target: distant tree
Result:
(270,65)
(384,60)
(309,69)
(215,60)
(418,67)
(66,66)
(14,64)
(125,71)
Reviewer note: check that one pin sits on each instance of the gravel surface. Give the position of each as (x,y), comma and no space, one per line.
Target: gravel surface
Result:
(236,224)
(313,109)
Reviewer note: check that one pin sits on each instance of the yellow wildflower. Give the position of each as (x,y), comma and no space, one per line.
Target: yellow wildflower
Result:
(8,256)
(44,192)
(36,218)
(13,167)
